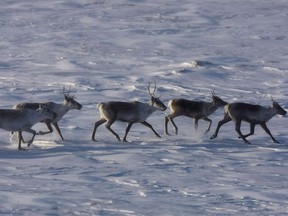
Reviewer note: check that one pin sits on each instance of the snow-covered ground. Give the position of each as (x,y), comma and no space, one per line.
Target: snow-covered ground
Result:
(110,50)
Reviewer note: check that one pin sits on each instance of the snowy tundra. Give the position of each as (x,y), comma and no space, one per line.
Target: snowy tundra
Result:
(109,51)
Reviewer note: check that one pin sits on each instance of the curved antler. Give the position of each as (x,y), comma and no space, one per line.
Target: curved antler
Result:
(67,92)
(213,93)
(273,101)
(149,91)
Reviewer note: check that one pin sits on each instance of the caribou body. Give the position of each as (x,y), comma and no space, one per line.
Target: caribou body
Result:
(130,112)
(253,114)
(192,109)
(23,119)
(69,103)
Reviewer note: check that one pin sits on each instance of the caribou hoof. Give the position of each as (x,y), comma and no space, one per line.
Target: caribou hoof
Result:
(213,136)
(40,133)
(247,142)
(29,143)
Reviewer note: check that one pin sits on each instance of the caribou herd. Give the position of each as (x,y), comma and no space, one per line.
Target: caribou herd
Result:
(22,117)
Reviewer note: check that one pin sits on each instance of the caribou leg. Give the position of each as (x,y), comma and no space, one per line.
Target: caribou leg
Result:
(97,124)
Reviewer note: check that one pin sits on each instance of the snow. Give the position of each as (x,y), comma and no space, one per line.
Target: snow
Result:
(110,50)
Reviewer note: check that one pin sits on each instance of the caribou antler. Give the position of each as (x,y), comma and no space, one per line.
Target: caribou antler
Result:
(213,93)
(67,92)
(153,93)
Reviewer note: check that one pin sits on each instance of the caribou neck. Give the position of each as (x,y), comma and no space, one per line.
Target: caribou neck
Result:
(152,107)
(60,109)
(149,107)
(210,107)
(63,108)
(268,113)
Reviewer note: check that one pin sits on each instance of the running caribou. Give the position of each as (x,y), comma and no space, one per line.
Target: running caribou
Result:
(60,110)
(253,114)
(192,109)
(130,112)
(23,119)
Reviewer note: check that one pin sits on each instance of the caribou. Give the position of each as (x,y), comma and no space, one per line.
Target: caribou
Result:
(130,112)
(69,103)
(23,119)
(253,114)
(192,109)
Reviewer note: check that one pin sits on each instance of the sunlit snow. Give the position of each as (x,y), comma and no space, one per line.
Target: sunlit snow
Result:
(110,50)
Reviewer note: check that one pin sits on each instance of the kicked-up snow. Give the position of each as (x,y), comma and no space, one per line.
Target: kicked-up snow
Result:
(111,50)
